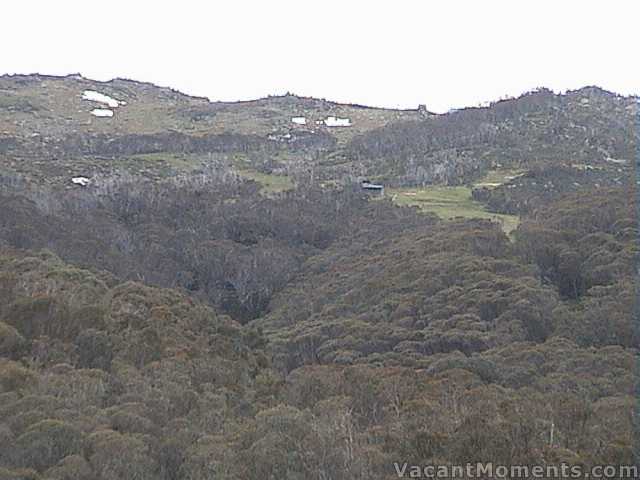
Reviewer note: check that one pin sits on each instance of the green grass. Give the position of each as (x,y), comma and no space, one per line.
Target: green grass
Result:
(449,203)
(270,183)
(454,202)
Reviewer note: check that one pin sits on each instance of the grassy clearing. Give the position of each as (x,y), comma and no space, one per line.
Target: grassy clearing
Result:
(449,203)
(271,184)
(167,163)
(453,202)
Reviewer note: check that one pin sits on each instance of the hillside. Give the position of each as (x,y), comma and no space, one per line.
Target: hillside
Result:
(44,117)
(49,136)
(50,106)
(193,290)
(461,287)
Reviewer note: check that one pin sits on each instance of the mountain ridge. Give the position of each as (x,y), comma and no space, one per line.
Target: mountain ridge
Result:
(79,76)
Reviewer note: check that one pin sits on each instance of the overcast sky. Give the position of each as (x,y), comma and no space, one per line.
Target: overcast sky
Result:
(401,53)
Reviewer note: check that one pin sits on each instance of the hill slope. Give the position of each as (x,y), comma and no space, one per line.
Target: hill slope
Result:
(219,298)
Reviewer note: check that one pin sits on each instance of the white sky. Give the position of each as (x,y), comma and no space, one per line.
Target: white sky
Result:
(443,53)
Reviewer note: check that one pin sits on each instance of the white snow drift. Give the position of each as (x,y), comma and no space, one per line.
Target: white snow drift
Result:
(82,181)
(102,112)
(337,122)
(98,97)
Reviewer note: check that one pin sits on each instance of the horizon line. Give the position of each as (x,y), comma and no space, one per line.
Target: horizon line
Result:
(483,104)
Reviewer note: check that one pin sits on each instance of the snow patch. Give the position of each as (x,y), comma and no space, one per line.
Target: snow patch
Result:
(337,122)
(82,181)
(102,112)
(619,161)
(98,97)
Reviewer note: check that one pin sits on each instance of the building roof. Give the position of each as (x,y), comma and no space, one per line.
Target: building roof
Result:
(371,186)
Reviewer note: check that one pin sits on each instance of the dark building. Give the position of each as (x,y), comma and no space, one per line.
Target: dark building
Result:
(372,187)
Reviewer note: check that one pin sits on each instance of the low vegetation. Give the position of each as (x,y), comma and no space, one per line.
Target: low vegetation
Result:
(406,337)
(232,305)
(269,183)
(450,203)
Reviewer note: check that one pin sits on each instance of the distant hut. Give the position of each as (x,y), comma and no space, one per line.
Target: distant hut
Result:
(374,188)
